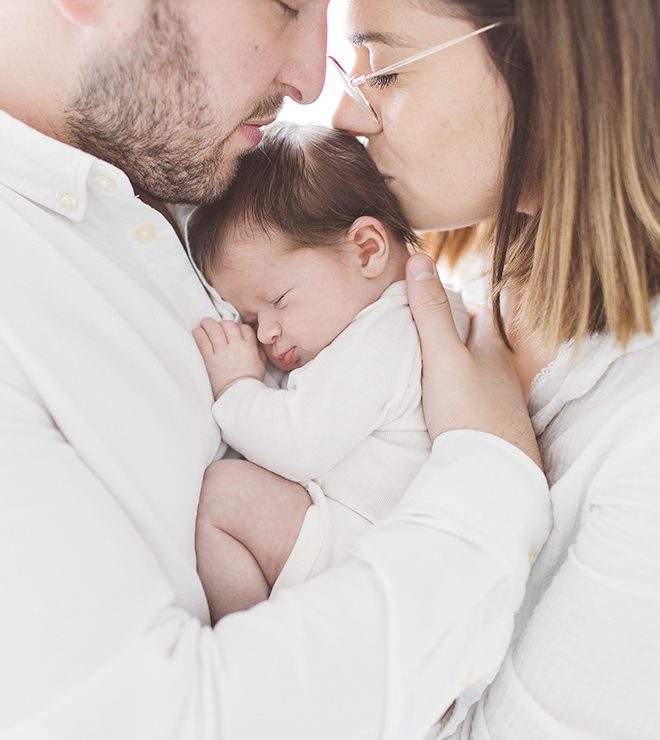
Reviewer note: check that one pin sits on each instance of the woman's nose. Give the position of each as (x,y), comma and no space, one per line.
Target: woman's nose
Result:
(350,117)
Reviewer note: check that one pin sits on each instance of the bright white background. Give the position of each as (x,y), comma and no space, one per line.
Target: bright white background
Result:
(338,46)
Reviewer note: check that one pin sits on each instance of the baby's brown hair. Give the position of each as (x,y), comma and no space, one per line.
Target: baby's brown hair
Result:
(307,182)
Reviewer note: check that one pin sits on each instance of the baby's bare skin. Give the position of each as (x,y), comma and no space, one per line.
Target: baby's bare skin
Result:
(247,523)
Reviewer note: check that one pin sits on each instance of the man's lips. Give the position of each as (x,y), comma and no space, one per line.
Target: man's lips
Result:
(251,130)
(258,122)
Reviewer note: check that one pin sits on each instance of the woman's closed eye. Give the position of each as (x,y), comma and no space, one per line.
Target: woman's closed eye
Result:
(382,81)
(288,10)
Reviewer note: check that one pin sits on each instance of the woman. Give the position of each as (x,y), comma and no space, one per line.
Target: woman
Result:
(543,116)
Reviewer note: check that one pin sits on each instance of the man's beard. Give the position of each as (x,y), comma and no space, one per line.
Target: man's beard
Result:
(146,111)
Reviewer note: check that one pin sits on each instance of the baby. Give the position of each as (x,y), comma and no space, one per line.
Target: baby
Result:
(310,246)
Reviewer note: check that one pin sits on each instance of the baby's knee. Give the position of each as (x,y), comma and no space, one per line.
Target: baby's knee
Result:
(222,484)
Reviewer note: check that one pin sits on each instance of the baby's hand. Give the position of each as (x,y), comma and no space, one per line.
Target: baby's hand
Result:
(230,352)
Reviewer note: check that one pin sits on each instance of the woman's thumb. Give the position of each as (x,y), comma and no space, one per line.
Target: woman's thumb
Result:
(429,303)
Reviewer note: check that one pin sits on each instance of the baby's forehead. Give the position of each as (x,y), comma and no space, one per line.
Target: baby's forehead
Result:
(245,239)
(251,266)
(242,253)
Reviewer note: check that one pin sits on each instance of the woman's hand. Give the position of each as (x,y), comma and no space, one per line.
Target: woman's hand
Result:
(230,352)
(473,387)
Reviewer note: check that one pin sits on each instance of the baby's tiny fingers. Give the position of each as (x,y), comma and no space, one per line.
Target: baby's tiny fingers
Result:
(203,342)
(231,330)
(215,333)
(247,332)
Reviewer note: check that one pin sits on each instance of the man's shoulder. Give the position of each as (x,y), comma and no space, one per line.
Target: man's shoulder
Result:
(19,216)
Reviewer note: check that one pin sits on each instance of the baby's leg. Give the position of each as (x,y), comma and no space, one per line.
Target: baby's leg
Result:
(247,523)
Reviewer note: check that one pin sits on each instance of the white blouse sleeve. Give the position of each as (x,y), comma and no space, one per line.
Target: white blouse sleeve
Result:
(588,661)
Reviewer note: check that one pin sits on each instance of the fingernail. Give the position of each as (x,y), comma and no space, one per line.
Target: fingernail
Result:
(421,268)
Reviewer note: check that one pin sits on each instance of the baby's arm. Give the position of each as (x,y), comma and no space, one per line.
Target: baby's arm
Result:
(354,386)
(230,352)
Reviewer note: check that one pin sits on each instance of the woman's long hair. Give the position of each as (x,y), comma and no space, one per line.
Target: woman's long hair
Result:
(584,146)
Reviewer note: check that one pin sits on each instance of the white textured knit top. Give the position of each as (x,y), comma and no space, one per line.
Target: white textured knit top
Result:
(585,661)
(351,419)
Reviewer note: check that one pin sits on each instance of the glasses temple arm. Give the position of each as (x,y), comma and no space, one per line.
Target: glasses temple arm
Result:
(357,81)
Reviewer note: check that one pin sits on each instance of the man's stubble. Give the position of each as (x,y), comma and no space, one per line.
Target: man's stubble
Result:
(145,109)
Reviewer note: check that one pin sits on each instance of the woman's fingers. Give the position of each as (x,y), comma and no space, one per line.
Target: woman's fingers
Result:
(473,387)
(485,339)
(432,313)
(504,399)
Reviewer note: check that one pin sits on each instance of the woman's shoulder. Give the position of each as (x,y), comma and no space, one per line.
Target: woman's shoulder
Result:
(598,373)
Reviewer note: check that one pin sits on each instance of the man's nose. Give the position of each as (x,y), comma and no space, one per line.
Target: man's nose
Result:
(303,74)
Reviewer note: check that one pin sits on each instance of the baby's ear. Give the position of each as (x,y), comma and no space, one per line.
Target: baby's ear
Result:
(370,242)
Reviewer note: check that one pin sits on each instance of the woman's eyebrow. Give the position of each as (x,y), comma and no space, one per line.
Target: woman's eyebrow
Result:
(360,38)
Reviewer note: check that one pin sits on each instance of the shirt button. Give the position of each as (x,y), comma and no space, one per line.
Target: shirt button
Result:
(69,202)
(104,182)
(532,556)
(145,233)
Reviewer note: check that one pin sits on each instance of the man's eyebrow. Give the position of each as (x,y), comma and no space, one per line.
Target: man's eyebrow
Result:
(360,38)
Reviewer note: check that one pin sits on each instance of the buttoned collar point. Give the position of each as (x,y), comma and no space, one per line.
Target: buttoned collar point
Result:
(49,172)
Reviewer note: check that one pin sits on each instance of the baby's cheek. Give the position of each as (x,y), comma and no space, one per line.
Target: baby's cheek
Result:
(268,349)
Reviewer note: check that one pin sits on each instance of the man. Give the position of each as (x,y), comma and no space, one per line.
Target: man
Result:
(105,423)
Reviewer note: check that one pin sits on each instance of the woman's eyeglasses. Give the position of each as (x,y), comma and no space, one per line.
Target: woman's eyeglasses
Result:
(352,84)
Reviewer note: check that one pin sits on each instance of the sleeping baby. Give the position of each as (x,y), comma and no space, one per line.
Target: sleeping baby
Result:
(310,246)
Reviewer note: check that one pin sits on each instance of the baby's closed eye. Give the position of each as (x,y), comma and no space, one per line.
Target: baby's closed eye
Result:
(278,302)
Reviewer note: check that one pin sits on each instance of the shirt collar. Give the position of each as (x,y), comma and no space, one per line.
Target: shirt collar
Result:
(182,214)
(44,170)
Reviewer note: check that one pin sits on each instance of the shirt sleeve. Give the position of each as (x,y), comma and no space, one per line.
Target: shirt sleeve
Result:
(331,405)
(93,645)
(589,659)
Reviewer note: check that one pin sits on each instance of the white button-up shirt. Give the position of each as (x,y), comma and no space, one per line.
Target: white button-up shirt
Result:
(105,433)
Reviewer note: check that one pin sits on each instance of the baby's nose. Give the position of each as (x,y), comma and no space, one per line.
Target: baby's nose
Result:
(267,333)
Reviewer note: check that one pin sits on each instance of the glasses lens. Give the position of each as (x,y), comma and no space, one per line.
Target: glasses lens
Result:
(354,92)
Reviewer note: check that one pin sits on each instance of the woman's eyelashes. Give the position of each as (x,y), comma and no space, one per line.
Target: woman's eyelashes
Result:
(382,81)
(288,10)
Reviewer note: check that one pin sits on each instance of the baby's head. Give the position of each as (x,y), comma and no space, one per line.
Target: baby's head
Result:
(307,235)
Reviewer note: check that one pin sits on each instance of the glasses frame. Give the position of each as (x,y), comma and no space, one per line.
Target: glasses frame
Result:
(352,84)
